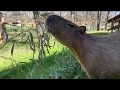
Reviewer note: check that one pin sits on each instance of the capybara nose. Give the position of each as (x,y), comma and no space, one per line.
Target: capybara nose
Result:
(51,18)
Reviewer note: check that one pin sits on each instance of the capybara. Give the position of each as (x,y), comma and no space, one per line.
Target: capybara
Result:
(99,56)
(1,35)
(1,27)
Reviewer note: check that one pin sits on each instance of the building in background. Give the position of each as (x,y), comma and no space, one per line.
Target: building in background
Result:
(17,23)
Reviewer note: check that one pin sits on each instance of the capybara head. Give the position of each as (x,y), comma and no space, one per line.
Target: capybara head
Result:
(64,31)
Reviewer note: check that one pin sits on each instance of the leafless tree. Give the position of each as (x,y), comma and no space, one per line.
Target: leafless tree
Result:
(98,20)
(43,37)
(72,13)
(107,17)
(60,13)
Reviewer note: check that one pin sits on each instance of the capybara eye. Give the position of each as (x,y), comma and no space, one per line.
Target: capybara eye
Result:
(71,25)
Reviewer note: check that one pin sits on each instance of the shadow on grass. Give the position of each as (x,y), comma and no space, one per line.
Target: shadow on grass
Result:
(58,66)
(61,65)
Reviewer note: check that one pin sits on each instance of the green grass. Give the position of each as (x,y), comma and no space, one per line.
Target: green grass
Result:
(59,64)
(17,28)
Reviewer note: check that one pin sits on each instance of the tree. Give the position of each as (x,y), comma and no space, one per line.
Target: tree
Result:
(107,17)
(43,37)
(98,19)
(72,13)
(60,13)
(93,20)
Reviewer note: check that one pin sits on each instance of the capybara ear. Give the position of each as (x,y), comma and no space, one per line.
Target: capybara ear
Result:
(82,29)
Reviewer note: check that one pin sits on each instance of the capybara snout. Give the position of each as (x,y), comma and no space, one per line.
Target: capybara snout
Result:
(51,18)
(51,21)
(64,30)
(55,22)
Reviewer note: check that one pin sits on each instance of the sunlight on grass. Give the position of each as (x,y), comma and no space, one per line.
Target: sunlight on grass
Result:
(91,32)
(60,62)
(22,54)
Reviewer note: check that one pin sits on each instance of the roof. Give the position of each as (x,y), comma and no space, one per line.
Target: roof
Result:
(114,18)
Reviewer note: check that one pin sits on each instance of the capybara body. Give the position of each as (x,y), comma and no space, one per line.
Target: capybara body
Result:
(98,55)
(1,35)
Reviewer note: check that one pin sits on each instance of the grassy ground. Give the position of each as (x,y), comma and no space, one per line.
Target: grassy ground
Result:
(60,64)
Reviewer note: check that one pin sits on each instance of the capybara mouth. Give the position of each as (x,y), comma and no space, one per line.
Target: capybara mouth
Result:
(50,21)
(49,25)
(50,29)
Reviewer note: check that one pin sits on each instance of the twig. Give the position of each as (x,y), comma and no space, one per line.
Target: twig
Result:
(13,38)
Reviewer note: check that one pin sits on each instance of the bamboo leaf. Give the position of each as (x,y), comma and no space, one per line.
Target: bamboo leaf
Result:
(32,46)
(31,37)
(12,49)
(31,41)
(26,40)
(23,36)
(45,14)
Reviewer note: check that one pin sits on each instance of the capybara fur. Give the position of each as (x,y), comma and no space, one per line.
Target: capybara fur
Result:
(2,31)
(1,34)
(99,56)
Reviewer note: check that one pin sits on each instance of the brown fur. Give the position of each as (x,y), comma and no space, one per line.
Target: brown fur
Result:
(1,36)
(2,25)
(98,55)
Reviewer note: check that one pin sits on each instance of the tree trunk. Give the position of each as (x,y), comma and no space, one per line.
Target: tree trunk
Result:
(92,26)
(43,37)
(72,14)
(107,17)
(60,13)
(36,16)
(98,20)
(40,33)
(76,18)
(86,18)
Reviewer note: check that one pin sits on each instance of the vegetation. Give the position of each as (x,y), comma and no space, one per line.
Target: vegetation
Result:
(59,64)
(38,55)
